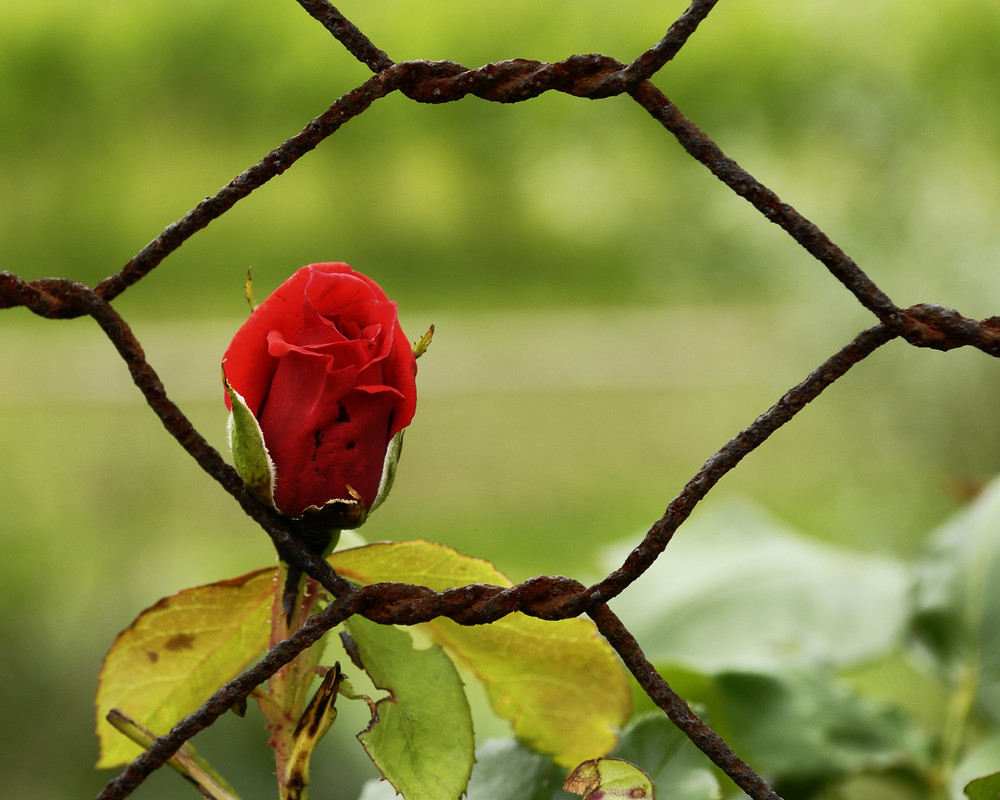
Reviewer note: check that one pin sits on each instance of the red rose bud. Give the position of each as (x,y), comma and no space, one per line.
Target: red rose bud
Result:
(321,383)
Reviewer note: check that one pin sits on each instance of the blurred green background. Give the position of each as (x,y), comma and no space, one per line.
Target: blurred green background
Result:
(607,313)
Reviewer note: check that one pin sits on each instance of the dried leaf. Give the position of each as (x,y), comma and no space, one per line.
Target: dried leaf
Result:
(609,778)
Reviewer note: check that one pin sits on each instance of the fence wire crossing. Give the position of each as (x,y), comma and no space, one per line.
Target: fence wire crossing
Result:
(591,76)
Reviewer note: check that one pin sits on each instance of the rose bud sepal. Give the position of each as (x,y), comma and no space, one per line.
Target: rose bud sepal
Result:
(392,454)
(250,456)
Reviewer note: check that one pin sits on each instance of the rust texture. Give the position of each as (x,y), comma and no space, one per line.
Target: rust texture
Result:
(591,76)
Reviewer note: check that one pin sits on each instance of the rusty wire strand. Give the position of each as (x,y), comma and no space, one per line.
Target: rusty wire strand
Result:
(641,69)
(676,708)
(593,76)
(807,234)
(348,34)
(733,452)
(372,601)
(44,295)
(656,57)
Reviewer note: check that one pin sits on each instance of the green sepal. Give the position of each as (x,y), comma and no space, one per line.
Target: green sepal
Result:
(423,343)
(392,453)
(335,516)
(248,289)
(250,456)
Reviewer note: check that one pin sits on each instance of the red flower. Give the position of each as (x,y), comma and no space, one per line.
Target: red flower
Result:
(329,375)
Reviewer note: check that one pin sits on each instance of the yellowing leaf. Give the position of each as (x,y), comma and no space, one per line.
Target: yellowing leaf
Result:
(422,742)
(432,565)
(177,653)
(609,778)
(560,684)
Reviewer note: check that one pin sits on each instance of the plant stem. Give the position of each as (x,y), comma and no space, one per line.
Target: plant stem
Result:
(186,762)
(285,700)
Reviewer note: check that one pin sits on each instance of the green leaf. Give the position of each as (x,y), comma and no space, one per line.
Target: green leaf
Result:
(737,591)
(177,653)
(976,774)
(559,683)
(505,769)
(422,742)
(609,777)
(957,616)
(802,726)
(250,456)
(984,788)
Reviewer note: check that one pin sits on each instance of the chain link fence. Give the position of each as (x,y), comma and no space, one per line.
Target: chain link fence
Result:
(592,76)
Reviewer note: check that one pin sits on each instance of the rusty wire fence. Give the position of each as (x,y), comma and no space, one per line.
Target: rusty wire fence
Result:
(592,76)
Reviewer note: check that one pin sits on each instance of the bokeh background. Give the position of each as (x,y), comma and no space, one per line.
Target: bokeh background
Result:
(607,313)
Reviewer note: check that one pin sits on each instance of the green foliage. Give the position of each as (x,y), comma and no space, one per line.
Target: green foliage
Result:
(985,788)
(774,693)
(980,764)
(806,728)
(736,589)
(506,769)
(761,628)
(652,743)
(422,741)
(958,602)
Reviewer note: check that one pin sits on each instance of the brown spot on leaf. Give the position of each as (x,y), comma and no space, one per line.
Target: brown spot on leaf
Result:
(182,641)
(152,656)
